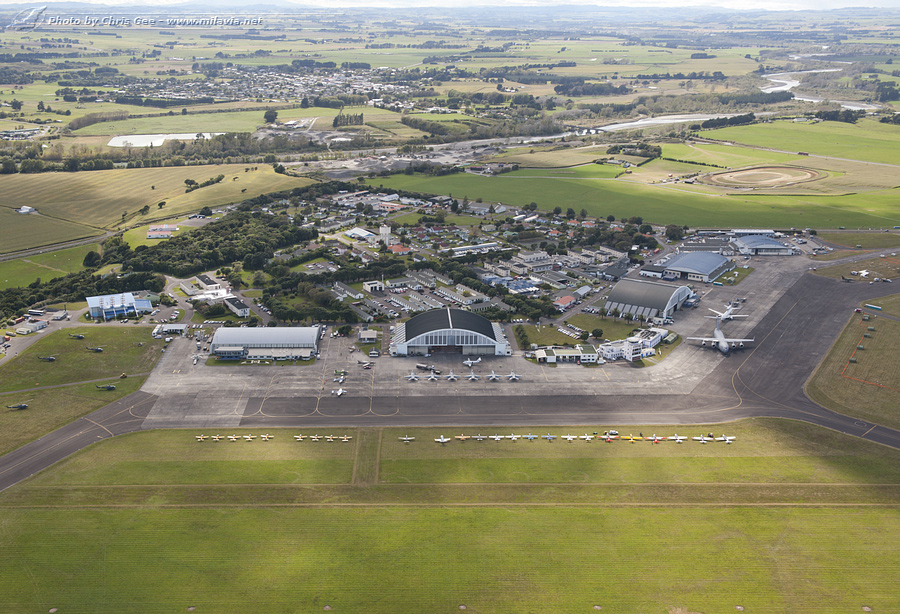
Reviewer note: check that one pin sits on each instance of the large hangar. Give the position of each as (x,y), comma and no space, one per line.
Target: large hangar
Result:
(451,331)
(287,343)
(650,299)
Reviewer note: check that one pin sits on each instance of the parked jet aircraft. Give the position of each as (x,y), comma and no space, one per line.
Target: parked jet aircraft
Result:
(863,273)
(406,439)
(432,377)
(530,437)
(267,437)
(442,440)
(469,363)
(677,438)
(472,377)
(412,376)
(493,377)
(47,358)
(300,437)
(338,392)
(97,349)
(462,437)
(569,438)
(513,377)
(201,437)
(106,386)
(726,439)
(586,437)
(452,376)
(496,437)
(728,314)
(548,437)
(720,341)
(74,336)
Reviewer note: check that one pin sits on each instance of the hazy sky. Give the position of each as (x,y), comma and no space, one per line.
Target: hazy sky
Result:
(730,4)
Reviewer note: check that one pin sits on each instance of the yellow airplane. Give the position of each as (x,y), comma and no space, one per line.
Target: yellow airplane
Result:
(267,437)
(346,437)
(216,437)
(463,437)
(300,437)
(200,437)
(632,438)
(249,437)
(315,438)
(329,438)
(234,437)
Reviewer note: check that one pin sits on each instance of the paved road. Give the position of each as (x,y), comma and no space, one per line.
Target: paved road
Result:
(767,380)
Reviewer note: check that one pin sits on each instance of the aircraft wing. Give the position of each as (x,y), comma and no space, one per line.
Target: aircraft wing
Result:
(706,339)
(731,340)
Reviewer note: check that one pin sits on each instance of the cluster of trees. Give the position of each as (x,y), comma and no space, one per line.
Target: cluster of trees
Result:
(96,118)
(721,122)
(163,102)
(347,119)
(591,89)
(193,185)
(644,150)
(848,116)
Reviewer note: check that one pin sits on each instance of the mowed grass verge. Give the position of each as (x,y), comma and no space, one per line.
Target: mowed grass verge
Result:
(869,388)
(154,538)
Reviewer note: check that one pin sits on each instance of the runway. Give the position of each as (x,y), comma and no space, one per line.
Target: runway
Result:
(765,380)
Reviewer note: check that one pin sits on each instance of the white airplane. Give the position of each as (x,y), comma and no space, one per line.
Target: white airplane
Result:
(548,437)
(217,438)
(469,363)
(406,439)
(496,437)
(655,439)
(233,437)
(863,273)
(530,437)
(569,438)
(726,439)
(513,377)
(677,438)
(493,377)
(586,437)
(452,376)
(479,437)
(200,437)
(442,440)
(432,377)
(472,377)
(339,380)
(608,438)
(728,314)
(514,437)
(346,438)
(412,376)
(267,437)
(249,437)
(338,392)
(702,439)
(720,341)
(300,437)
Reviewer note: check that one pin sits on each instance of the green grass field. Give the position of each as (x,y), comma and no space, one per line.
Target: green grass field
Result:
(869,388)
(26,231)
(866,240)
(781,521)
(23,271)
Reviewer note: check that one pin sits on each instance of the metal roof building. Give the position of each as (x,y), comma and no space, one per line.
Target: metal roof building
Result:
(111,306)
(449,331)
(646,298)
(698,266)
(265,343)
(755,245)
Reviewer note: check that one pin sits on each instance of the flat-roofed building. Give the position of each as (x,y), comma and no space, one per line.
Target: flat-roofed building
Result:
(290,342)
(112,306)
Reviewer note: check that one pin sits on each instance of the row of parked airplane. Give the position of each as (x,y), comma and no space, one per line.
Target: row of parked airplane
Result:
(472,376)
(608,437)
(267,437)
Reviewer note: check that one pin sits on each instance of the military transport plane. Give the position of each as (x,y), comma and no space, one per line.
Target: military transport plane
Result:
(442,440)
(720,341)
(469,363)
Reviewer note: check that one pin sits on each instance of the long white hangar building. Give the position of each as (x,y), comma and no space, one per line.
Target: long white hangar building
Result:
(449,331)
(280,343)
(650,299)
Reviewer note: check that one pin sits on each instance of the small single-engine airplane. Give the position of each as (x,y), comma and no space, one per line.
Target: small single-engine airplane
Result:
(329,438)
(654,439)
(300,437)
(406,439)
(201,437)
(726,439)
(469,363)
(479,437)
(702,439)
(496,437)
(346,438)
(76,336)
(217,438)
(677,438)
(514,437)
(569,438)
(586,437)
(339,380)
(442,440)
(234,437)
(462,437)
(267,437)
(549,437)
(340,371)
(452,376)
(632,439)
(315,437)
(249,437)
(530,437)
(338,392)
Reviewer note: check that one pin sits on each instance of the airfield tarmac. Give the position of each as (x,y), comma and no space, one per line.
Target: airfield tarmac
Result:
(794,318)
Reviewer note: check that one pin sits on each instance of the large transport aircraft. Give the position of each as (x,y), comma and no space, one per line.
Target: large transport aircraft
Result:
(720,341)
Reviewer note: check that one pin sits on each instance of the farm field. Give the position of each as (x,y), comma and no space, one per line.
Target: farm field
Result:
(867,140)
(99,198)
(550,158)
(23,271)
(868,388)
(664,204)
(111,528)
(229,121)
(26,231)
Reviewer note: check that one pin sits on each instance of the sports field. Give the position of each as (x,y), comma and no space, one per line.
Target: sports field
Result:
(787,519)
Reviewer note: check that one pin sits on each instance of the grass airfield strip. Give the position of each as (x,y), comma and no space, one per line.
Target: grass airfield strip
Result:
(97,533)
